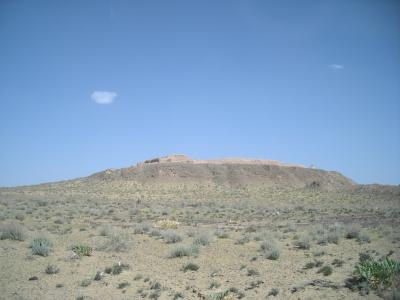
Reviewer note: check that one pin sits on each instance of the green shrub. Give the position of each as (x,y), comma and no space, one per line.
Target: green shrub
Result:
(82,250)
(12,231)
(378,273)
(41,246)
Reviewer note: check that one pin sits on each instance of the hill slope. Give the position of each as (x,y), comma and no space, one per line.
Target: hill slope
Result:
(178,169)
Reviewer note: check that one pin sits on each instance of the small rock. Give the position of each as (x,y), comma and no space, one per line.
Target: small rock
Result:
(33,278)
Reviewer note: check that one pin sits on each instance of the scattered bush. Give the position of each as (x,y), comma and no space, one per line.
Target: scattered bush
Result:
(20,216)
(123,285)
(82,250)
(270,249)
(85,282)
(303,242)
(106,230)
(183,250)
(12,231)
(155,233)
(178,295)
(252,272)
(41,246)
(167,224)
(171,237)
(190,267)
(116,269)
(243,240)
(141,229)
(378,273)
(202,239)
(98,276)
(118,241)
(273,292)
(51,269)
(363,237)
(221,234)
(352,231)
(325,270)
(214,284)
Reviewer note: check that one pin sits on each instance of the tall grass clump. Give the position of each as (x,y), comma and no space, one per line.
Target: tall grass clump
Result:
(12,231)
(41,246)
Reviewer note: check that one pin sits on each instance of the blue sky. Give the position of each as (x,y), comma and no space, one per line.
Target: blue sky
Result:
(90,85)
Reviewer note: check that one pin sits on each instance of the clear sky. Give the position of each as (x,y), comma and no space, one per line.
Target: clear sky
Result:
(90,85)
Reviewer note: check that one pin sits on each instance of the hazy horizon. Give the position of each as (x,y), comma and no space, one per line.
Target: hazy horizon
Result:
(86,86)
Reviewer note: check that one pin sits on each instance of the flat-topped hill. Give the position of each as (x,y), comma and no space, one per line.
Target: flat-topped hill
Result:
(176,169)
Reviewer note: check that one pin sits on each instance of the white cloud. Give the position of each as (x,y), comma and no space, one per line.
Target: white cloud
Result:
(336,67)
(103,97)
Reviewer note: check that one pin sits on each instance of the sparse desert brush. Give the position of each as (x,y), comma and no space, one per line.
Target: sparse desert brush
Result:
(363,237)
(52,269)
(41,246)
(171,237)
(123,285)
(141,229)
(106,230)
(190,267)
(202,239)
(86,282)
(270,250)
(183,250)
(325,270)
(20,216)
(221,234)
(12,231)
(251,229)
(303,242)
(352,231)
(116,268)
(155,233)
(243,240)
(82,250)
(118,241)
(167,224)
(252,272)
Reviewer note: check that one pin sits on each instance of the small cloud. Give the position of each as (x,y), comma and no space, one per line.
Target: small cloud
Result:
(103,97)
(336,67)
